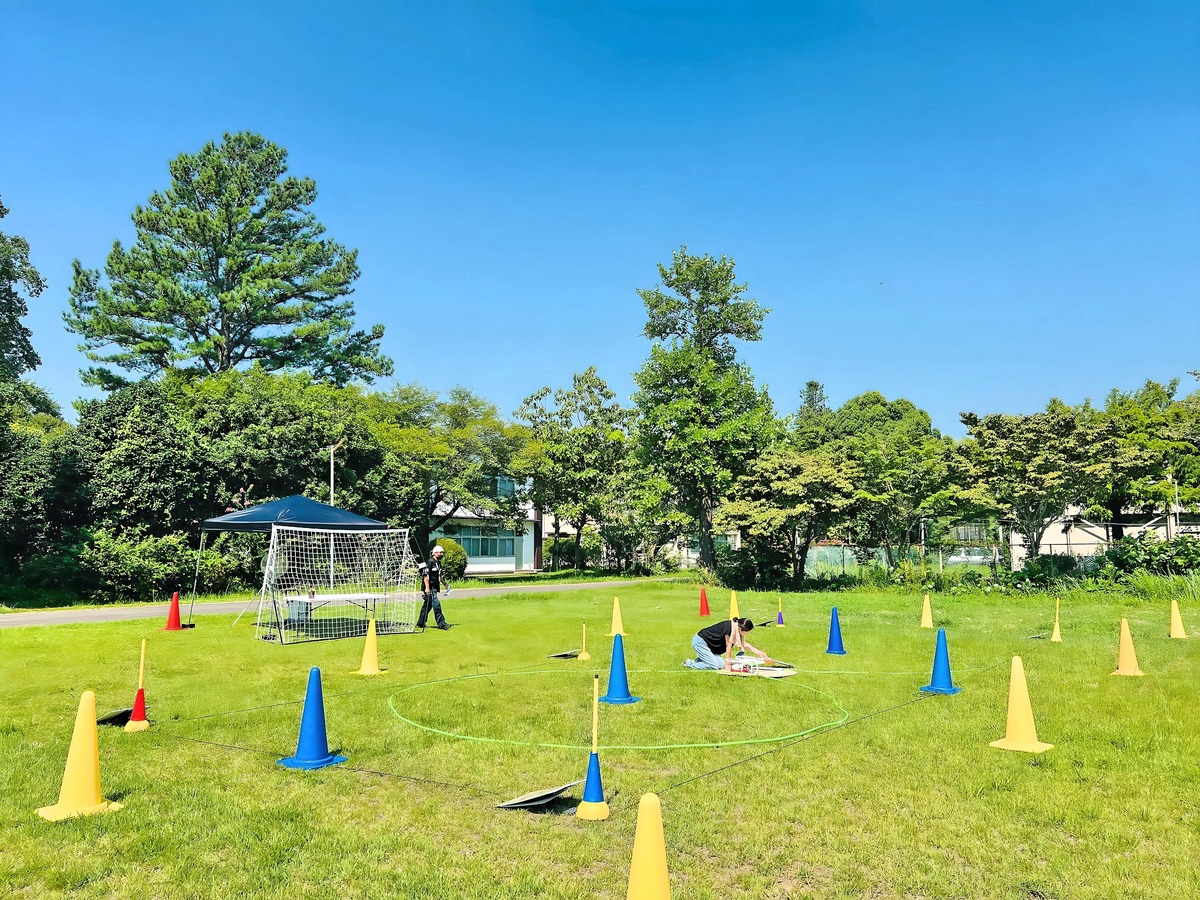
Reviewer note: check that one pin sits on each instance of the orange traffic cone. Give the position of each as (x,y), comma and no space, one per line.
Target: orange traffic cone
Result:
(704,603)
(138,721)
(80,792)
(173,623)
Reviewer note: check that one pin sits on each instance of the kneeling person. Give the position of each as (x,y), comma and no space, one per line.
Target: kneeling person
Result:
(709,643)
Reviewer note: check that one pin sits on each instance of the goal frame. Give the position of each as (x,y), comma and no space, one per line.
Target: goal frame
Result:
(328,583)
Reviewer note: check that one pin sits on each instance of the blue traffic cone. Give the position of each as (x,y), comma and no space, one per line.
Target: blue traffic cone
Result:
(593,807)
(941,682)
(618,682)
(835,635)
(312,750)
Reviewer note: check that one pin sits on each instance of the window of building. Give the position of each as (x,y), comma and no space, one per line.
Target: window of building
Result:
(482,541)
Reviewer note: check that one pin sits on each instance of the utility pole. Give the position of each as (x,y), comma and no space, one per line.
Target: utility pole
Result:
(331,448)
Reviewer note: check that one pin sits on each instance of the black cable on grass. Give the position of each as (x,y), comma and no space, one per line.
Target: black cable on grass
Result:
(798,740)
(449,784)
(365,689)
(814,734)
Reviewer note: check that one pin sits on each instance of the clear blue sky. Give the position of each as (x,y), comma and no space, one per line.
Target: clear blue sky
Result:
(972,205)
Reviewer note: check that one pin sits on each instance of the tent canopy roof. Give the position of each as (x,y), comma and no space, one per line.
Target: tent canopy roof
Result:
(297,511)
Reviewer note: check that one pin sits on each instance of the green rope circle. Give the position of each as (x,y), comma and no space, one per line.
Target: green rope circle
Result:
(550,746)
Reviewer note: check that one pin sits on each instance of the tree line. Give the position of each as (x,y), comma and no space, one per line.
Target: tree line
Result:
(230,359)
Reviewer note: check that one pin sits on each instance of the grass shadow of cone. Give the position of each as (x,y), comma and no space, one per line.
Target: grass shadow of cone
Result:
(704,610)
(648,876)
(941,682)
(1127,663)
(593,808)
(173,623)
(80,792)
(312,750)
(370,657)
(618,680)
(734,612)
(1056,635)
(618,627)
(835,635)
(137,719)
(926,614)
(1020,733)
(1177,629)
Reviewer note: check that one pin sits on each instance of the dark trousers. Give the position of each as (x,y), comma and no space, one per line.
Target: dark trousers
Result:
(431,602)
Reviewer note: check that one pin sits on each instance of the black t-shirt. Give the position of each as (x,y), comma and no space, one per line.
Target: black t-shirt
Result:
(714,635)
(433,571)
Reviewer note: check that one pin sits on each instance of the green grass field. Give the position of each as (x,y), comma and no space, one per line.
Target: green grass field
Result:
(910,802)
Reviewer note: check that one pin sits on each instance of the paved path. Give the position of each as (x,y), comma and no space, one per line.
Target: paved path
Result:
(159,611)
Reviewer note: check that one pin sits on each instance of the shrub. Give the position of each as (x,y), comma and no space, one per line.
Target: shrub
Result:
(454,563)
(1042,570)
(134,566)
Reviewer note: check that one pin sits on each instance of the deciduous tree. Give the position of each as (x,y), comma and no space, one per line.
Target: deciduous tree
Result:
(18,280)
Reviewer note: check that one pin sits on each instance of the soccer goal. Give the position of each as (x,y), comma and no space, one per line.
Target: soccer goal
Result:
(321,584)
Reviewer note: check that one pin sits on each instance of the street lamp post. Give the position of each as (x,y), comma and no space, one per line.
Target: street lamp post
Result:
(331,448)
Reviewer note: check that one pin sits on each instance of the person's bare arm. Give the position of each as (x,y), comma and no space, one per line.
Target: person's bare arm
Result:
(746,645)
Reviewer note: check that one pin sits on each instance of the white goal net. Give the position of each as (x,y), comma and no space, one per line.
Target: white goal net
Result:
(321,584)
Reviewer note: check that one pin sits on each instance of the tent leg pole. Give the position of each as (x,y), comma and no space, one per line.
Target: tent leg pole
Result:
(253,600)
(196,580)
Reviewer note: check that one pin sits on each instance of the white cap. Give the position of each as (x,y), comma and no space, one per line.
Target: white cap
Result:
(438,549)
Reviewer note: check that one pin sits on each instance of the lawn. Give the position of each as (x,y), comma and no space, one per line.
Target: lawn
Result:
(910,802)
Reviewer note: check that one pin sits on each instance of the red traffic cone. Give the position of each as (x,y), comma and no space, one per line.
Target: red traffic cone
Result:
(137,720)
(173,616)
(704,603)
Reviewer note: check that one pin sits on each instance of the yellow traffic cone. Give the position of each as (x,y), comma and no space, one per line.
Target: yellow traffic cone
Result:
(370,658)
(1177,629)
(648,879)
(733,607)
(618,627)
(584,656)
(1126,658)
(80,793)
(1056,636)
(926,614)
(1020,734)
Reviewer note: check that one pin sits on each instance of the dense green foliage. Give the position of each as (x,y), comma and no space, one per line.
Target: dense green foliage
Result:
(18,280)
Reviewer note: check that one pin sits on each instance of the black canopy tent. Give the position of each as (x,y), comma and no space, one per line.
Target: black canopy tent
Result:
(297,511)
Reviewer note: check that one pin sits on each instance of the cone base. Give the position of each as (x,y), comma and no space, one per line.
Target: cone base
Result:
(1179,637)
(619,700)
(1138,673)
(930,689)
(615,633)
(1056,638)
(835,652)
(58,811)
(590,811)
(169,628)
(1021,746)
(293,762)
(137,725)
(367,672)
(584,656)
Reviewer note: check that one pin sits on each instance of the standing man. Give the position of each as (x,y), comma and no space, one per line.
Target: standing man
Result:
(431,583)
